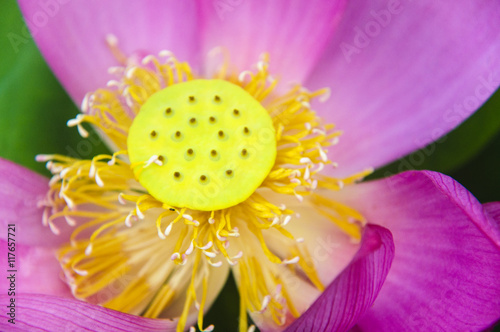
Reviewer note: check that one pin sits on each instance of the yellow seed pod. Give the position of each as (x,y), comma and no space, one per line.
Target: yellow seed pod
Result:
(212,144)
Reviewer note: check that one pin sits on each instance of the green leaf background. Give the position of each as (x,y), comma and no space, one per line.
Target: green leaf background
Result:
(34,109)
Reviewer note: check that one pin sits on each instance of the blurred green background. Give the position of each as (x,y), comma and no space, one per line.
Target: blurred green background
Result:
(34,109)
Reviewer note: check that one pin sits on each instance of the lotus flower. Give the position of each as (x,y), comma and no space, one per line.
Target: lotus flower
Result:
(224,159)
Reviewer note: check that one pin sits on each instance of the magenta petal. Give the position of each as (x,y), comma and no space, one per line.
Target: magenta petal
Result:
(72,35)
(493,209)
(416,74)
(36,312)
(37,270)
(294,33)
(20,191)
(445,273)
(355,289)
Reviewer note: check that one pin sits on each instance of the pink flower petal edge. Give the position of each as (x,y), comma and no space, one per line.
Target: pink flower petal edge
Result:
(355,289)
(445,272)
(72,36)
(20,192)
(37,270)
(404,73)
(35,312)
(294,33)
(493,210)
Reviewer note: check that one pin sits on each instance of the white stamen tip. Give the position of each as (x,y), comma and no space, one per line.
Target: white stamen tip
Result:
(98,180)
(189,250)
(217,264)
(192,329)
(307,173)
(82,131)
(324,97)
(187,216)
(299,197)
(287,220)
(318,131)
(175,256)
(161,235)
(73,122)
(42,158)
(70,221)
(111,39)
(139,213)
(211,221)
(210,254)
(80,272)
(251,328)
(147,59)
(305,160)
(291,261)
(88,250)
(306,104)
(300,240)
(165,53)
(308,126)
(207,246)
(128,220)
(54,229)
(209,328)
(243,74)
(121,199)
(265,303)
(168,229)
(322,154)
(153,159)
(282,207)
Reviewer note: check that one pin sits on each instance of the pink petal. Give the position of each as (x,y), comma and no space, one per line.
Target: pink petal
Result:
(72,35)
(419,72)
(445,272)
(20,192)
(36,269)
(36,312)
(294,33)
(493,210)
(355,289)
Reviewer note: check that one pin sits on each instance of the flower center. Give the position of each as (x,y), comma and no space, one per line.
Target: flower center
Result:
(203,144)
